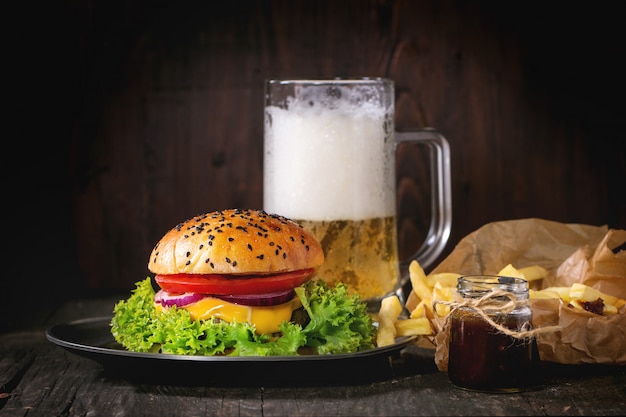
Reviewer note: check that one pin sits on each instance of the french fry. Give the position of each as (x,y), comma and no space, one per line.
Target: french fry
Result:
(563,292)
(529,273)
(533,273)
(413,327)
(390,310)
(584,292)
(511,271)
(441,293)
(418,280)
(420,309)
(447,279)
(428,288)
(581,293)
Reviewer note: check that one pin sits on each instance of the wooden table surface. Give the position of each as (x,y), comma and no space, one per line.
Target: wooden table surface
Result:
(39,378)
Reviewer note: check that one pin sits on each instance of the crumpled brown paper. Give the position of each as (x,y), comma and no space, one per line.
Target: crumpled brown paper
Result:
(571,253)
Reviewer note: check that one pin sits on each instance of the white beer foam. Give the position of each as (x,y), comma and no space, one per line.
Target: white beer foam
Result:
(314,172)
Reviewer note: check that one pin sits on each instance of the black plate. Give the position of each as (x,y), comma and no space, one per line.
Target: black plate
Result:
(92,338)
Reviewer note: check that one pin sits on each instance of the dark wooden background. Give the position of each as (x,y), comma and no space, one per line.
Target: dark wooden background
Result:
(133,116)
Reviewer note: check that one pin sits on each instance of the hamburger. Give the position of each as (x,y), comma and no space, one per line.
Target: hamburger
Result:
(240,282)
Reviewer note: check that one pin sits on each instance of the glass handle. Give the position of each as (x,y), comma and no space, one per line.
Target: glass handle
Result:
(441,195)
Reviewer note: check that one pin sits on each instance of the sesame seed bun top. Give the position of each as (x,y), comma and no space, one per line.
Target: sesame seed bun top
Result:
(236,241)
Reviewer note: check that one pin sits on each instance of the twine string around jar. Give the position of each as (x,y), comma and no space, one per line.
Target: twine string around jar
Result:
(495,301)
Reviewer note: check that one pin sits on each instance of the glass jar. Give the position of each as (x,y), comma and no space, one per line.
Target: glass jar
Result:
(481,356)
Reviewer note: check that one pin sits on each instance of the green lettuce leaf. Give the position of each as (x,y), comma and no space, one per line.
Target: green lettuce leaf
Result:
(339,323)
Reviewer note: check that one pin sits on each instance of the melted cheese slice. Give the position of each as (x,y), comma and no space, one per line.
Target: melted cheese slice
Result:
(265,319)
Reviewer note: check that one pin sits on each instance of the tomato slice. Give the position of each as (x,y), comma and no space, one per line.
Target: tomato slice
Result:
(233,284)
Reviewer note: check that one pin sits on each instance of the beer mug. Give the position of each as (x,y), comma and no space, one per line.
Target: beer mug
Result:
(329,164)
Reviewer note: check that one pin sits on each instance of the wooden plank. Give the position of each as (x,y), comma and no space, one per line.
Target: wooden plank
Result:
(43,379)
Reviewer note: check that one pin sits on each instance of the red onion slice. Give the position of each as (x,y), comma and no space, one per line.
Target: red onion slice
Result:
(179,300)
(259,300)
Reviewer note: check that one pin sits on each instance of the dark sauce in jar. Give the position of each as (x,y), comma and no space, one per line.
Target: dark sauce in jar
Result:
(481,357)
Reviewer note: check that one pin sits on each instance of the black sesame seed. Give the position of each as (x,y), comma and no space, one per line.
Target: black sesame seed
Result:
(292,239)
(201,246)
(261,256)
(212,265)
(228,260)
(284,255)
(187,263)
(187,254)
(230,239)
(235,263)
(249,246)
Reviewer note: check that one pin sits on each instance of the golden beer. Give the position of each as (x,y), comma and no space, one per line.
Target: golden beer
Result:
(360,253)
(329,163)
